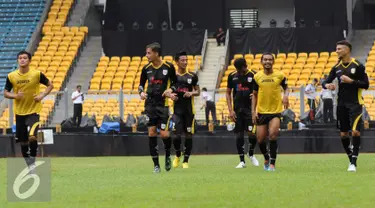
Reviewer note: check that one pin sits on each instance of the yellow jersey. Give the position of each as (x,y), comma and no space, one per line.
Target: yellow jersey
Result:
(269,91)
(29,84)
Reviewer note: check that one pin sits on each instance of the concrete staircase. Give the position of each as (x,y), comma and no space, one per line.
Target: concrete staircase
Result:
(79,12)
(81,76)
(362,42)
(208,76)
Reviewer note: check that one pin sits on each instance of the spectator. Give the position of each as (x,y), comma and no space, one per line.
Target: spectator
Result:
(220,37)
(209,105)
(77,98)
(327,98)
(310,92)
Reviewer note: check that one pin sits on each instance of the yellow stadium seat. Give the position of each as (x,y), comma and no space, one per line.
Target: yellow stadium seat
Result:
(298,66)
(281,56)
(311,60)
(324,54)
(120,74)
(125,58)
(258,56)
(109,75)
(290,61)
(301,60)
(113,64)
(286,72)
(122,69)
(84,29)
(314,54)
(248,56)
(52,68)
(333,54)
(68,58)
(304,55)
(308,66)
(237,56)
(65,63)
(104,59)
(301,82)
(100,68)
(102,64)
(292,55)
(73,48)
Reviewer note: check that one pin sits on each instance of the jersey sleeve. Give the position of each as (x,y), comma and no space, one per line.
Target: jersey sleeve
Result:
(195,80)
(330,78)
(143,80)
(362,81)
(283,83)
(43,79)
(8,85)
(172,77)
(230,81)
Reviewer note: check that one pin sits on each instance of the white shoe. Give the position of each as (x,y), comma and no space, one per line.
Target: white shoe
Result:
(32,169)
(253,160)
(241,165)
(352,168)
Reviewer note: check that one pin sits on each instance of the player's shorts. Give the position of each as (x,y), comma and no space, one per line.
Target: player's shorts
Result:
(26,126)
(244,121)
(184,123)
(349,117)
(265,119)
(158,116)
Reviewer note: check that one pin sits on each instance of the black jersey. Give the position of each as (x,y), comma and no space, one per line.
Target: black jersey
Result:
(159,79)
(185,83)
(242,87)
(349,93)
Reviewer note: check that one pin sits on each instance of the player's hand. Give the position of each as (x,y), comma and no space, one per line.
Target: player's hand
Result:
(188,94)
(19,95)
(232,115)
(251,96)
(143,95)
(167,93)
(38,98)
(173,96)
(346,79)
(330,86)
(286,102)
(255,118)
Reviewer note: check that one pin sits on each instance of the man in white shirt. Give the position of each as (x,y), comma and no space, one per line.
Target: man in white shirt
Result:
(209,104)
(310,92)
(77,98)
(327,97)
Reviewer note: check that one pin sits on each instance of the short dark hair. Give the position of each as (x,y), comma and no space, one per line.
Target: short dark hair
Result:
(315,80)
(79,86)
(24,52)
(155,47)
(267,53)
(204,89)
(178,55)
(240,63)
(345,43)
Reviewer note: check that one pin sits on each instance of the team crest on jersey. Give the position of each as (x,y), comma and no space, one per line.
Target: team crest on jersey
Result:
(165,72)
(352,70)
(249,79)
(189,81)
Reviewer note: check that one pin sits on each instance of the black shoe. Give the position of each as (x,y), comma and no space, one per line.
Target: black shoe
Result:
(168,163)
(156,169)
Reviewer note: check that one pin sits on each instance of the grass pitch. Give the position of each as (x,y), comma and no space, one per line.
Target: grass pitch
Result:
(211,181)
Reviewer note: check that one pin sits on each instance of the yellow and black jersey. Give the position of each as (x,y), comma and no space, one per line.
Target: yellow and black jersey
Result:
(349,93)
(185,83)
(269,91)
(27,83)
(242,87)
(159,79)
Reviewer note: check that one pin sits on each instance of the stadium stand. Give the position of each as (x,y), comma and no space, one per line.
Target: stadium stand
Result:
(18,19)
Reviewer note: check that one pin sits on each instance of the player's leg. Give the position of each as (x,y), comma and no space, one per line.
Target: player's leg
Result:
(22,137)
(274,126)
(152,135)
(356,126)
(251,132)
(163,123)
(32,121)
(262,133)
(343,123)
(189,124)
(240,142)
(177,139)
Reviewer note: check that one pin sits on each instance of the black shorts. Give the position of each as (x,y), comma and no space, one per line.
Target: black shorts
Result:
(244,121)
(184,123)
(349,117)
(264,119)
(157,116)
(26,126)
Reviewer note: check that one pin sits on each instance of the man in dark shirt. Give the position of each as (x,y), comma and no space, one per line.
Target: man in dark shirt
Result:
(161,78)
(352,79)
(241,83)
(187,87)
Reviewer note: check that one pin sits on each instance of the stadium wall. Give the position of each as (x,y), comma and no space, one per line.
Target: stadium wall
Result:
(86,145)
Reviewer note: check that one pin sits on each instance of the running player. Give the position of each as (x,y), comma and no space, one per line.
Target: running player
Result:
(27,105)
(187,87)
(267,107)
(161,78)
(352,78)
(241,83)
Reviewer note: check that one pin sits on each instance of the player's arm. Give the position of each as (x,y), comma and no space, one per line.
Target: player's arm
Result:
(228,96)
(74,96)
(254,102)
(362,81)
(172,88)
(7,91)
(44,80)
(142,83)
(284,85)
(327,84)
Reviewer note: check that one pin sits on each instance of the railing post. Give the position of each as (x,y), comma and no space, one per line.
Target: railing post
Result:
(11,113)
(121,100)
(302,100)
(66,104)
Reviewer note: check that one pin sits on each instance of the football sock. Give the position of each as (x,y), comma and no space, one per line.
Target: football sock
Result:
(252,143)
(167,146)
(188,148)
(25,153)
(356,144)
(263,150)
(273,151)
(33,148)
(153,144)
(240,143)
(177,145)
(345,143)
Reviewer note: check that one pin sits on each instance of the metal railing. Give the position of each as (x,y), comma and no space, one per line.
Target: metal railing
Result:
(204,47)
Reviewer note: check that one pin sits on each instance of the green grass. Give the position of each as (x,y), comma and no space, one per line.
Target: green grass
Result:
(211,181)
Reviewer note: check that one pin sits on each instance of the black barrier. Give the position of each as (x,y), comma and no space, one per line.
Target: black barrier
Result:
(133,43)
(88,145)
